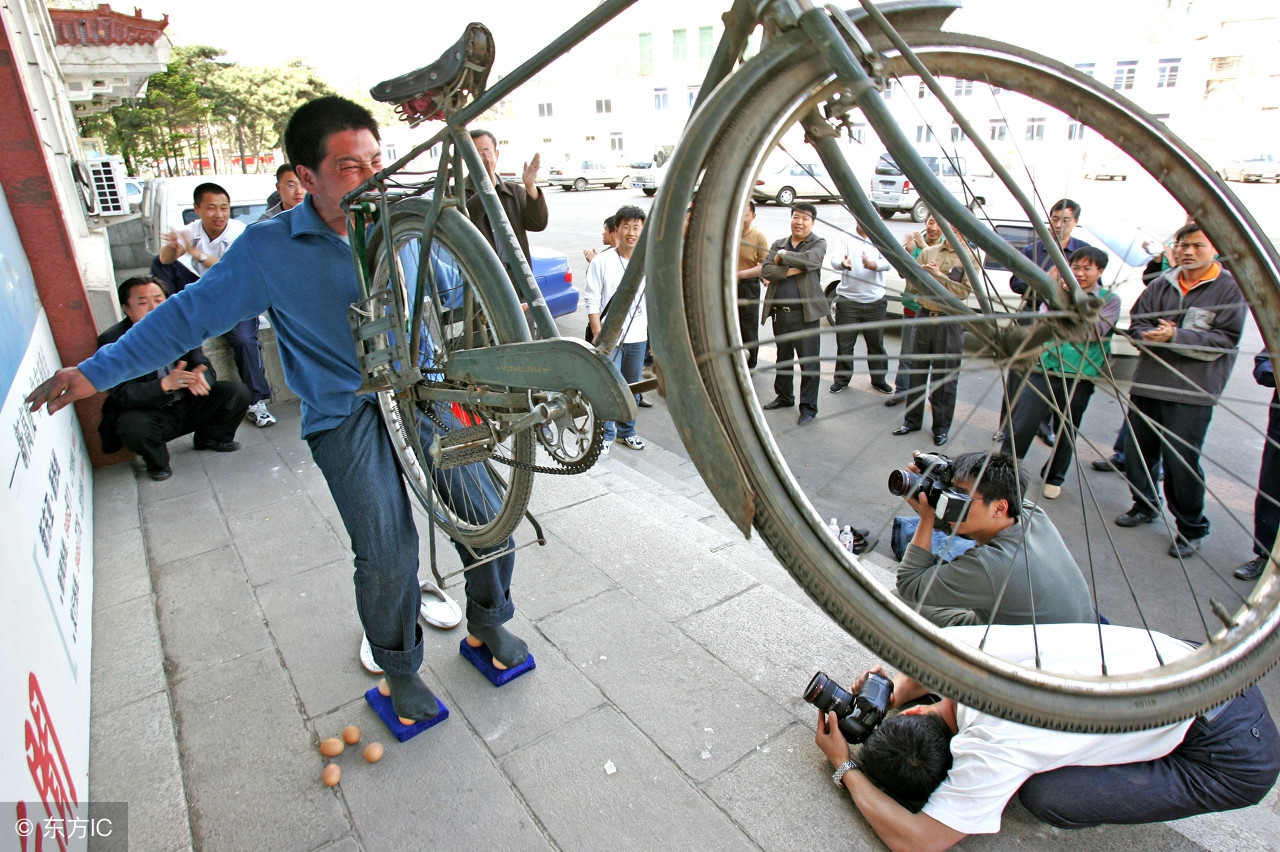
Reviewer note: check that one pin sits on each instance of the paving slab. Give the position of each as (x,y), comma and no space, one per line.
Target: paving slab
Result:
(253,477)
(251,769)
(440,790)
(127,660)
(183,526)
(115,499)
(207,612)
(599,783)
(613,631)
(188,477)
(119,565)
(284,538)
(135,759)
(556,492)
(551,578)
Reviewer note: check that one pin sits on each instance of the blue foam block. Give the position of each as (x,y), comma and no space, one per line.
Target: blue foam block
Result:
(381,705)
(483,660)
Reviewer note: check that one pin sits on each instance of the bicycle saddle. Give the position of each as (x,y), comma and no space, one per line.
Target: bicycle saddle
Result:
(431,93)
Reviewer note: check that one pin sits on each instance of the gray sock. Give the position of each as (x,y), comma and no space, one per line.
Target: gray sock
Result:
(506,647)
(411,698)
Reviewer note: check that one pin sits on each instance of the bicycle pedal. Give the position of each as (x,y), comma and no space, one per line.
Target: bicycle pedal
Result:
(462,446)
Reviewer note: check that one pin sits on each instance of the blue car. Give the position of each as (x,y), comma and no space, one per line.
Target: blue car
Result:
(555,279)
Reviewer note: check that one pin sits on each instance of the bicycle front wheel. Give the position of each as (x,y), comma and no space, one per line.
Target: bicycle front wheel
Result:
(790,84)
(465,301)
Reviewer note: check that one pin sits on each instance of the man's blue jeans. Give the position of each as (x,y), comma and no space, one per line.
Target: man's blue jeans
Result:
(360,466)
(630,360)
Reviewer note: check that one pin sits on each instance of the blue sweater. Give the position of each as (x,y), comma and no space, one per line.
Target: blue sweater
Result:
(294,266)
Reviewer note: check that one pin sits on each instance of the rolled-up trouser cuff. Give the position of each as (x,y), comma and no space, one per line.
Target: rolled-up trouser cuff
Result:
(400,663)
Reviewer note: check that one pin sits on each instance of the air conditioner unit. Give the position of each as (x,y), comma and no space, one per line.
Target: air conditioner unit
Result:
(106,175)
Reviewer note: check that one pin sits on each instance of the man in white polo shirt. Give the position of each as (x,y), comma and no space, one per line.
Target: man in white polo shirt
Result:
(197,247)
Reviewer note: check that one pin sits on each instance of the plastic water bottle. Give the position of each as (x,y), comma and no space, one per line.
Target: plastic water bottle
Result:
(846,538)
(834,527)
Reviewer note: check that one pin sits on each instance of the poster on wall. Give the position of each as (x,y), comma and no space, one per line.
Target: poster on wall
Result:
(46,572)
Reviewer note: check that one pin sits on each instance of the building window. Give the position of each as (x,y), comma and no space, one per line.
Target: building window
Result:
(1167,73)
(646,54)
(705,44)
(546,140)
(858,133)
(888,90)
(1224,66)
(659,98)
(603,106)
(615,141)
(957,135)
(1125,72)
(964,88)
(924,133)
(1075,131)
(692,94)
(999,131)
(679,50)
(1035,129)
(1162,117)
(588,138)
(544,110)
(1086,68)
(922,91)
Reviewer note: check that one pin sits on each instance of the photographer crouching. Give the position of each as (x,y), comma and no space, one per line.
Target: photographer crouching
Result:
(933,774)
(1020,572)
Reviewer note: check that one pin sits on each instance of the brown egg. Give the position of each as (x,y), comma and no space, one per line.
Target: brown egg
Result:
(351,734)
(332,774)
(331,747)
(383,689)
(373,752)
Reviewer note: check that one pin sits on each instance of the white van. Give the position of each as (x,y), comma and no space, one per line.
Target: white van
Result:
(892,192)
(167,202)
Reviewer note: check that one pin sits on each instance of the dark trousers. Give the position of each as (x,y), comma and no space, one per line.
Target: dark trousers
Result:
(936,357)
(902,379)
(749,317)
(1042,395)
(1228,763)
(213,418)
(805,348)
(248,354)
(1172,432)
(1266,506)
(849,312)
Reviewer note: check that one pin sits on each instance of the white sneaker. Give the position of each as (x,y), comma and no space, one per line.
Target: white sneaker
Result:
(259,415)
(366,657)
(634,442)
(604,450)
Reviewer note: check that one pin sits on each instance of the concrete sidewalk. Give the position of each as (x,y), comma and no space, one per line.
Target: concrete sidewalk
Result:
(664,712)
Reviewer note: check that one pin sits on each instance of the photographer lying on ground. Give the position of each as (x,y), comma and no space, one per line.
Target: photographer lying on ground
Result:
(1021,571)
(931,775)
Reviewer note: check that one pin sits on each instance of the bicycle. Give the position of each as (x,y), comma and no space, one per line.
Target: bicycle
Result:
(445,341)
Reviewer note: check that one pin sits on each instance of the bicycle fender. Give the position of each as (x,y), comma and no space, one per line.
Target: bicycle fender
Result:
(558,364)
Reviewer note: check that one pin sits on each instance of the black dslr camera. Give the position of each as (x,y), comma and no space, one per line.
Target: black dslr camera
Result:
(935,484)
(858,714)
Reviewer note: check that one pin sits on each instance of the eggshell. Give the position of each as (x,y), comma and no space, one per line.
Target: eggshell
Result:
(351,734)
(332,774)
(331,747)
(373,752)
(383,689)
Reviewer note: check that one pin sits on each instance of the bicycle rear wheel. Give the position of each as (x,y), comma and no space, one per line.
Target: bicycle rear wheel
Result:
(788,83)
(466,303)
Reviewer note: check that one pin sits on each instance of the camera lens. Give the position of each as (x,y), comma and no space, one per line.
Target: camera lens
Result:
(827,695)
(903,482)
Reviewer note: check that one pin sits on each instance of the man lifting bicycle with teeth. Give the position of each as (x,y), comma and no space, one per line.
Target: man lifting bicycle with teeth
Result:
(298,266)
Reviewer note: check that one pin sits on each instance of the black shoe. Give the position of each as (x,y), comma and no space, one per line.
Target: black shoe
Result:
(940,439)
(1184,547)
(1136,516)
(905,430)
(218,446)
(883,387)
(999,437)
(895,400)
(160,475)
(1111,465)
(806,417)
(837,387)
(643,403)
(776,404)
(1252,569)
(1047,438)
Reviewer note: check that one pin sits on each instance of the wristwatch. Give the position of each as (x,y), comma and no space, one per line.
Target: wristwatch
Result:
(837,777)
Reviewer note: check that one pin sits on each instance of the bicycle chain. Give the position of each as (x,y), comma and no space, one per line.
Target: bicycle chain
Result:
(580,466)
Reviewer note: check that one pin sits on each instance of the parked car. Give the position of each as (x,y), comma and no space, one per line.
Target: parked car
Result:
(786,183)
(891,190)
(555,279)
(648,180)
(580,174)
(133,192)
(1259,168)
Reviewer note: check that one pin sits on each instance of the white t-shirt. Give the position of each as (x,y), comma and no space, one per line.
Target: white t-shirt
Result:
(603,277)
(993,757)
(194,234)
(859,283)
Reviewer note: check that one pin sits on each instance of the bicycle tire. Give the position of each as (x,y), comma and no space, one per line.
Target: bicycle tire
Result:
(776,83)
(487,314)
